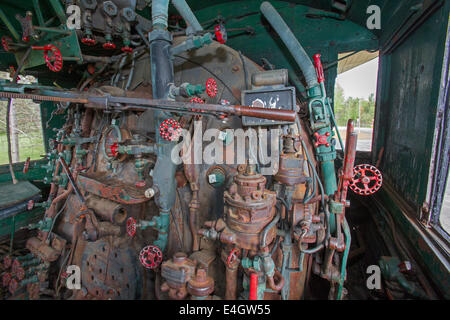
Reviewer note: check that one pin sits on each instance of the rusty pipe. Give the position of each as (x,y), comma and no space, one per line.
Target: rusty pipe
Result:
(231,283)
(275,285)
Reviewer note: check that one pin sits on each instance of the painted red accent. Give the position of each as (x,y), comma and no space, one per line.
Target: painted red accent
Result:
(211,87)
(131,226)
(150,257)
(253,286)
(26,166)
(319,68)
(89,41)
(113,150)
(127,49)
(140,184)
(109,46)
(233,256)
(321,139)
(367,179)
(219,31)
(5,41)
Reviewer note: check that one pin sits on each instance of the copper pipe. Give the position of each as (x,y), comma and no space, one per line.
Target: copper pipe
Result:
(231,283)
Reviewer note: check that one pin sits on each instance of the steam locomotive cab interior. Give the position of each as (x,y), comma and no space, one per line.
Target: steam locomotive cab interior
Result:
(191,150)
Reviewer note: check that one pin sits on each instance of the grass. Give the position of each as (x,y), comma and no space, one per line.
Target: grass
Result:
(31,146)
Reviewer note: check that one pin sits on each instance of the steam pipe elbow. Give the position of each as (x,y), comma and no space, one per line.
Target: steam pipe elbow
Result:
(291,42)
(187,14)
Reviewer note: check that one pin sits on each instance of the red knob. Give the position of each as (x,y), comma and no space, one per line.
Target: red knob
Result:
(211,87)
(131,226)
(127,49)
(150,257)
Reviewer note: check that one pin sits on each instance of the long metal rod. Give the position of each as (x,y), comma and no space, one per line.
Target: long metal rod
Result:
(142,104)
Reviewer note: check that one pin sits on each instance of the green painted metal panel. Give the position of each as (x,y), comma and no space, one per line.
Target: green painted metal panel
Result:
(406,107)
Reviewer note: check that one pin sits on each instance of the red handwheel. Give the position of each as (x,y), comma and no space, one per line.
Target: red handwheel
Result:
(211,87)
(52,56)
(131,226)
(150,257)
(366,179)
(170,130)
(5,43)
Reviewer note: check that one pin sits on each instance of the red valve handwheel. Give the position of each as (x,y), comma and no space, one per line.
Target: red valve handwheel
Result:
(170,130)
(150,257)
(197,100)
(366,179)
(131,226)
(53,57)
(7,261)
(211,87)
(5,43)
(6,279)
(109,46)
(127,49)
(13,285)
(233,256)
(89,41)
(321,139)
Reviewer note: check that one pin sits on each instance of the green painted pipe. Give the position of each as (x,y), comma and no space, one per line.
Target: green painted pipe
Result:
(348,240)
(291,42)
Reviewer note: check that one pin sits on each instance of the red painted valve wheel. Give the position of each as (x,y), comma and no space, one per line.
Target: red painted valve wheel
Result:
(150,257)
(131,226)
(5,43)
(211,87)
(89,41)
(170,130)
(7,261)
(52,56)
(109,46)
(127,49)
(233,256)
(366,179)
(6,279)
(197,100)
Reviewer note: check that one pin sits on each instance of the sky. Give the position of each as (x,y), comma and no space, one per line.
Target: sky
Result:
(361,81)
